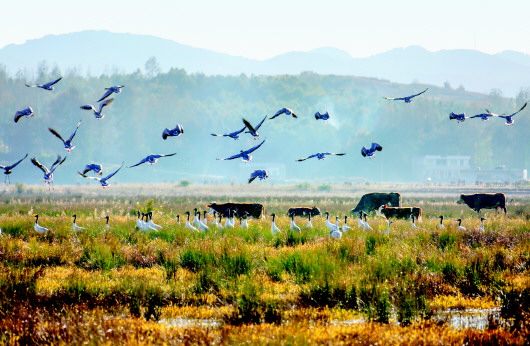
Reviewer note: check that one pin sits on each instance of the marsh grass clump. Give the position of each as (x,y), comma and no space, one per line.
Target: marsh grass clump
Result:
(195,260)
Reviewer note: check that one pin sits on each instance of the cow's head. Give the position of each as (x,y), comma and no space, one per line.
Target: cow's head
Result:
(461,200)
(315,211)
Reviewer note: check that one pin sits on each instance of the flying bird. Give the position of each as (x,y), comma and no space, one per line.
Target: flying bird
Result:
(508,118)
(286,111)
(26,112)
(253,130)
(406,99)
(67,143)
(48,173)
(320,156)
(482,116)
(98,112)
(458,117)
(151,159)
(175,132)
(321,116)
(233,135)
(371,151)
(245,154)
(9,169)
(258,173)
(103,180)
(91,167)
(47,86)
(109,91)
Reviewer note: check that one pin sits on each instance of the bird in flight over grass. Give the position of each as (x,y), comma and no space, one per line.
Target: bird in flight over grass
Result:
(9,169)
(245,154)
(508,118)
(26,112)
(103,180)
(258,173)
(286,111)
(371,151)
(91,167)
(253,130)
(151,159)
(406,99)
(320,156)
(233,135)
(321,116)
(67,143)
(48,173)
(48,86)
(98,112)
(175,132)
(116,89)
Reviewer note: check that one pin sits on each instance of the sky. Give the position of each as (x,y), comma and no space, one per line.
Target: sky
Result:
(262,29)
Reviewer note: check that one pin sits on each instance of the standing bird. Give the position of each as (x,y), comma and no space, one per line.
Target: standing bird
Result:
(481,227)
(321,116)
(244,221)
(320,156)
(67,143)
(286,111)
(188,225)
(47,86)
(48,173)
(9,169)
(233,135)
(309,224)
(150,222)
(204,217)
(294,226)
(274,228)
(245,154)
(229,222)
(508,118)
(253,130)
(75,226)
(38,228)
(370,152)
(174,132)
(178,219)
(459,117)
(152,159)
(406,99)
(139,221)
(367,226)
(107,223)
(345,227)
(98,112)
(91,167)
(24,113)
(111,90)
(360,222)
(460,227)
(258,173)
(331,226)
(336,233)
(441,224)
(388,226)
(103,180)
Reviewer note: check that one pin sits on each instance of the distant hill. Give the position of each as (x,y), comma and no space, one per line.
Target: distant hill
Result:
(101,52)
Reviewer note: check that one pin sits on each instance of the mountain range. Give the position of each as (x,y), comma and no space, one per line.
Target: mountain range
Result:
(101,52)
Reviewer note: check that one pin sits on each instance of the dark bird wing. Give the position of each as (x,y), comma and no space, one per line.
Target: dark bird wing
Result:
(53,82)
(74,133)
(16,163)
(249,126)
(337,154)
(520,109)
(105,104)
(364,152)
(88,107)
(56,134)
(238,132)
(254,148)
(57,163)
(376,147)
(139,163)
(260,123)
(307,158)
(278,113)
(167,155)
(232,157)
(107,93)
(113,173)
(418,94)
(40,166)
(165,133)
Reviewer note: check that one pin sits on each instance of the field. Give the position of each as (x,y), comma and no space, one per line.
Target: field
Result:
(247,286)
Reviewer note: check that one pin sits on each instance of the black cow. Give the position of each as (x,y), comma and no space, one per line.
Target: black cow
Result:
(372,201)
(480,201)
(254,210)
(400,212)
(303,211)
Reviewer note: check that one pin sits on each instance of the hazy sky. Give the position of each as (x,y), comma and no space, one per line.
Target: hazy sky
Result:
(266,28)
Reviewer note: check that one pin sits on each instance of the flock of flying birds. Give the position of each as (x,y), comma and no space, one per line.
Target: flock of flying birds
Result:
(245,155)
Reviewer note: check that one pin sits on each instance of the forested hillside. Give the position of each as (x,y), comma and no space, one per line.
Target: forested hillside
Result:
(133,125)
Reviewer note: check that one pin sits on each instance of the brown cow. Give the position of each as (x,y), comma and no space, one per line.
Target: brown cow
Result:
(400,212)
